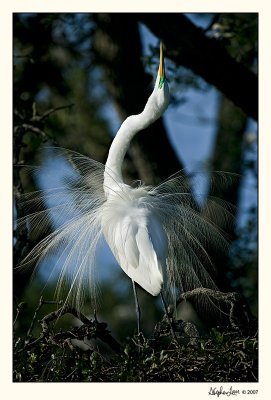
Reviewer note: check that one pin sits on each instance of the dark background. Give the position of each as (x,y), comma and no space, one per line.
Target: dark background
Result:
(84,66)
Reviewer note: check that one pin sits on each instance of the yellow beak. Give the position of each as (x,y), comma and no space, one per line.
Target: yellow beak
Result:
(162,76)
(161,65)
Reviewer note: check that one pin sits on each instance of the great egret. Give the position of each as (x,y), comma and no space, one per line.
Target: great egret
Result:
(157,234)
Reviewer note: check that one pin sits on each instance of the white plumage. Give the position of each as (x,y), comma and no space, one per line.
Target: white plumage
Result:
(133,231)
(157,234)
(136,237)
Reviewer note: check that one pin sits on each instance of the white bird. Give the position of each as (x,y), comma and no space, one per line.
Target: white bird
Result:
(133,231)
(157,234)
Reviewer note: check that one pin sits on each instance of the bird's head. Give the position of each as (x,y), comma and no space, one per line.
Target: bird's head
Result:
(158,100)
(161,89)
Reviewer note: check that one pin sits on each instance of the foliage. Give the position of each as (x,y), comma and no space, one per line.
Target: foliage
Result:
(88,353)
(51,70)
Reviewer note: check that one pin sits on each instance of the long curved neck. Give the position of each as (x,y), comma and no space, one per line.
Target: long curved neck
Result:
(154,108)
(121,142)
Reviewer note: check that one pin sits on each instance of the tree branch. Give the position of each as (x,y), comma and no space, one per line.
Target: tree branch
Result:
(187,45)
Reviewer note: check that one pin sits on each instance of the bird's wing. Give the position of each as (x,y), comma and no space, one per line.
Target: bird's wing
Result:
(138,242)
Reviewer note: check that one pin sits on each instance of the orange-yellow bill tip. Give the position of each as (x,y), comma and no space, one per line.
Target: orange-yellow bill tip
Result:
(161,66)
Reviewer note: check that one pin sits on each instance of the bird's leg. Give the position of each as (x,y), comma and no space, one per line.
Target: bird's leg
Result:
(137,308)
(168,318)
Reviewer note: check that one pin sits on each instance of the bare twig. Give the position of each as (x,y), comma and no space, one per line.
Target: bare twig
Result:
(38,118)
(34,129)
(18,310)
(41,303)
(89,329)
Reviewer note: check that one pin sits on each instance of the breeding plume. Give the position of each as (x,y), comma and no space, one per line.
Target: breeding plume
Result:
(157,234)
